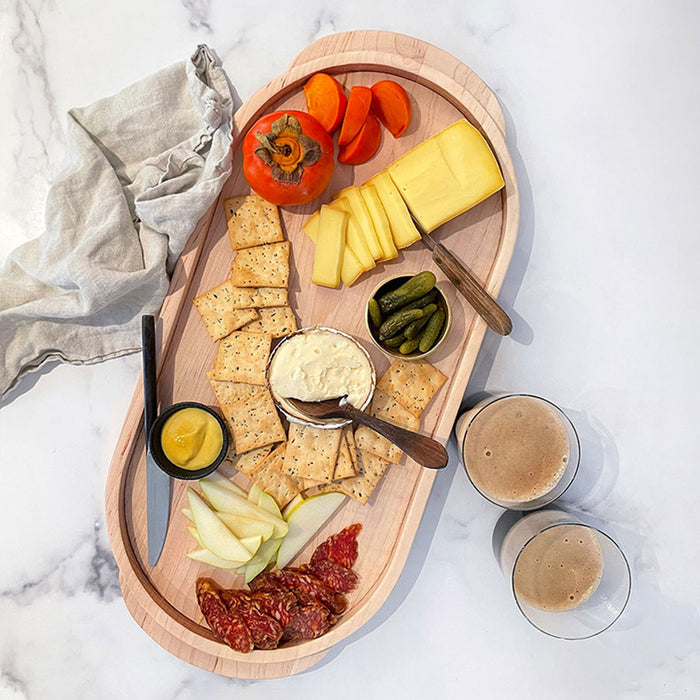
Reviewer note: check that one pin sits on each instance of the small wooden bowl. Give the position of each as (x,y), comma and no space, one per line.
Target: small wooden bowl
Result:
(387,286)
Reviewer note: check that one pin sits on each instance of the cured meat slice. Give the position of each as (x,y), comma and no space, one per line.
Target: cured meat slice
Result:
(265,631)
(276,603)
(340,548)
(332,574)
(292,579)
(227,626)
(310,620)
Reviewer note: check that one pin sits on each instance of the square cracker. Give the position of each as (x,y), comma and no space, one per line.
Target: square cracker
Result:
(311,452)
(344,466)
(254,422)
(271,477)
(252,221)
(218,313)
(247,462)
(242,357)
(413,383)
(262,266)
(258,297)
(360,487)
(278,321)
(226,391)
(389,409)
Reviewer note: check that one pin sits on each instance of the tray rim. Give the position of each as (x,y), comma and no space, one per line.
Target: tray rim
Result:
(275,90)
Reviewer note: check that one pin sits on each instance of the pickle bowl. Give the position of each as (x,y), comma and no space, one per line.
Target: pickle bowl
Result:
(389,285)
(155,445)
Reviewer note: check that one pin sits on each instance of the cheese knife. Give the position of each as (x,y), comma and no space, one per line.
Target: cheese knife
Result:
(157,481)
(467,285)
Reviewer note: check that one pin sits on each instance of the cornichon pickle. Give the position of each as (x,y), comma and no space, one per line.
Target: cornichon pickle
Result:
(375,314)
(423,301)
(413,329)
(395,341)
(409,346)
(397,321)
(410,290)
(432,331)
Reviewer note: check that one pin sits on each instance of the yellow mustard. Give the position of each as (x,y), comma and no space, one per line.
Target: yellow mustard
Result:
(191,438)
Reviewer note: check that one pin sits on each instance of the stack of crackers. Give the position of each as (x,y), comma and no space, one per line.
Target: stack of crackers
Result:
(246,315)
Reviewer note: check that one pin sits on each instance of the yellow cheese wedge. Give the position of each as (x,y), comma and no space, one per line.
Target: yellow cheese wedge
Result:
(351,268)
(447,174)
(353,237)
(364,220)
(330,245)
(380,221)
(403,230)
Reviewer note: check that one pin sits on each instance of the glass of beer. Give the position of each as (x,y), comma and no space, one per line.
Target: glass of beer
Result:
(569,579)
(520,451)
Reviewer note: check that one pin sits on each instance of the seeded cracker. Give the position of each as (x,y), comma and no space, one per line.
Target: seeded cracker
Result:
(412,383)
(242,357)
(343,466)
(226,392)
(389,409)
(247,462)
(218,313)
(258,297)
(271,477)
(278,321)
(311,452)
(254,422)
(262,266)
(360,487)
(252,221)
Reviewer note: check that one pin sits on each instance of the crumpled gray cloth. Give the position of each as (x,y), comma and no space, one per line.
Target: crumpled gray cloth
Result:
(142,167)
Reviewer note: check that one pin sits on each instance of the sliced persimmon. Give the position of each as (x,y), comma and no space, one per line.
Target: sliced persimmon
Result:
(391,104)
(356,112)
(364,145)
(325,100)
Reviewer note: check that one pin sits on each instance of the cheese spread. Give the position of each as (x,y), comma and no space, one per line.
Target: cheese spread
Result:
(319,364)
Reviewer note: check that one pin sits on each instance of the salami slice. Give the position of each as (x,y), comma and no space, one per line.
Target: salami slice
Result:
(309,620)
(229,627)
(277,604)
(265,631)
(297,580)
(334,575)
(340,548)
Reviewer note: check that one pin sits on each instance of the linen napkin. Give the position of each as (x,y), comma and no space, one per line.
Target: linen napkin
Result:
(141,169)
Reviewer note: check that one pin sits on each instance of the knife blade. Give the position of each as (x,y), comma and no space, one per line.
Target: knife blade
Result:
(467,285)
(157,481)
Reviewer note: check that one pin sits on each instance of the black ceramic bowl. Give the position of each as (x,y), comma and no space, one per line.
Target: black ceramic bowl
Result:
(156,449)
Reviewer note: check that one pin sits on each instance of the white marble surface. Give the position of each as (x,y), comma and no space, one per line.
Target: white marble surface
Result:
(602,105)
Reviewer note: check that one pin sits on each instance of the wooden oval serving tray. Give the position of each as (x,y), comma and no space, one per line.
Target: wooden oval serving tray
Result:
(442,90)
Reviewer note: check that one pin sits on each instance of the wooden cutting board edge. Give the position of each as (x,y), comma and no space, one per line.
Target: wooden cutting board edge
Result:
(158,621)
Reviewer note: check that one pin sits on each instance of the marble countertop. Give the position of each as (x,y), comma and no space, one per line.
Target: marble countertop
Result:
(602,112)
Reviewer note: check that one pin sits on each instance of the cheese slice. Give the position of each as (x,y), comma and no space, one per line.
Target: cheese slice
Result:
(403,230)
(353,237)
(330,246)
(351,268)
(379,221)
(364,220)
(447,174)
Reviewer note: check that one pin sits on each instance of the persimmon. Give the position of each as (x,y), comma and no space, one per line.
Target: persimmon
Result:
(356,112)
(288,157)
(392,106)
(364,145)
(325,100)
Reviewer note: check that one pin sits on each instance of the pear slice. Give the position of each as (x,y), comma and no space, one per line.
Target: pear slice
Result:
(187,513)
(207,557)
(261,560)
(224,500)
(268,503)
(217,538)
(252,544)
(221,480)
(254,493)
(242,526)
(304,521)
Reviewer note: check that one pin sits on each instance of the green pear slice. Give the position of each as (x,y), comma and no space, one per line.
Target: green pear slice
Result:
(254,493)
(224,500)
(268,503)
(217,538)
(292,505)
(243,526)
(252,544)
(187,513)
(207,557)
(261,560)
(221,480)
(304,521)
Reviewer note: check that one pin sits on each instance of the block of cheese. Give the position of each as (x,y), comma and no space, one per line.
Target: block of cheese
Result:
(364,220)
(330,246)
(351,268)
(380,221)
(446,174)
(403,230)
(353,237)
